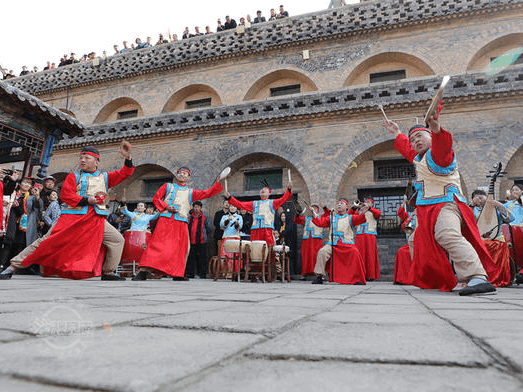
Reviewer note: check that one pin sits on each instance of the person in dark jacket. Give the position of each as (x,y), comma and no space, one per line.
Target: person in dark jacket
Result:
(199,229)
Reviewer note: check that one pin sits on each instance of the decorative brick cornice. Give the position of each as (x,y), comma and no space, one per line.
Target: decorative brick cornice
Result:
(302,29)
(392,95)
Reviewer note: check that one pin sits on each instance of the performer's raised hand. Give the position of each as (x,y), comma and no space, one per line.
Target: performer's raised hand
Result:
(392,127)
(433,122)
(227,195)
(125,149)
(92,200)
(289,185)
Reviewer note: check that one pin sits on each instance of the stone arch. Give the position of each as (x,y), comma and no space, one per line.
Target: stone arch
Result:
(110,111)
(388,61)
(481,59)
(145,181)
(361,167)
(192,92)
(283,77)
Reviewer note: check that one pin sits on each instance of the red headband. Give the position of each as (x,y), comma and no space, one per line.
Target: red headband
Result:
(416,129)
(344,201)
(90,153)
(269,189)
(183,169)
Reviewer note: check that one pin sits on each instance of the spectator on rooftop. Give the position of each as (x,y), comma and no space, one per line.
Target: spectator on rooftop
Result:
(139,44)
(273,14)
(186,34)
(259,18)
(148,43)
(24,71)
(91,56)
(71,60)
(125,48)
(53,65)
(10,74)
(229,23)
(116,51)
(220,26)
(48,66)
(197,31)
(242,21)
(208,30)
(161,40)
(283,13)
(63,60)
(174,38)
(83,58)
(248,22)
(35,69)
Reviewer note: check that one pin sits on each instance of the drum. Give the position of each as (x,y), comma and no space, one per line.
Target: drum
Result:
(279,249)
(233,246)
(257,250)
(135,244)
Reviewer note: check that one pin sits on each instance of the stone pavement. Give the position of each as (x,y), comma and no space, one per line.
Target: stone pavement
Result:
(160,335)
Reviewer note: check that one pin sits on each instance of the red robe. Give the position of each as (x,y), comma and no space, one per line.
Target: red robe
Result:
(73,249)
(368,248)
(403,260)
(348,266)
(402,265)
(309,249)
(431,268)
(500,256)
(168,247)
(262,234)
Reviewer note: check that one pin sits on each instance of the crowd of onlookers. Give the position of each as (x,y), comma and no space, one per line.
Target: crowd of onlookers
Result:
(228,24)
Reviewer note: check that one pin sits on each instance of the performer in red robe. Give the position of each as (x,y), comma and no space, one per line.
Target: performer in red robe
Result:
(346,263)
(262,213)
(73,247)
(445,222)
(312,240)
(497,247)
(168,247)
(403,261)
(366,238)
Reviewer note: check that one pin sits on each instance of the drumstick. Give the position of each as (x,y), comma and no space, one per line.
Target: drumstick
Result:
(124,193)
(383,112)
(289,174)
(225,183)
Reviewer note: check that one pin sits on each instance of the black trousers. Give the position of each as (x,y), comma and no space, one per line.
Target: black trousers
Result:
(197,261)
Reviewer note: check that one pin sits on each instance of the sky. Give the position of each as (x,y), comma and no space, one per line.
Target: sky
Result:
(46,30)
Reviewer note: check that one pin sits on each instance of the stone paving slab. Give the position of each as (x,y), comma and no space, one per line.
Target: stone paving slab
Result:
(122,358)
(85,317)
(299,376)
(418,343)
(241,318)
